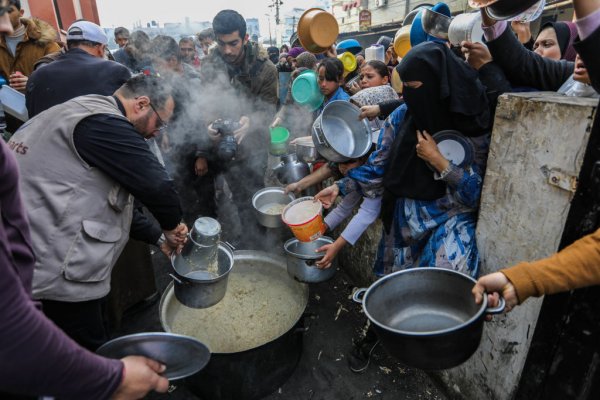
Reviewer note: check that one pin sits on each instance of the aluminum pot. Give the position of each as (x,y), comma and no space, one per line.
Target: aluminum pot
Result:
(301,258)
(339,135)
(254,373)
(435,23)
(199,288)
(426,317)
(266,197)
(306,151)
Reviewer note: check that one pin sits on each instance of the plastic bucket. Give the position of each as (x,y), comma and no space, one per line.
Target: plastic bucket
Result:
(279,138)
(306,92)
(305,219)
(349,62)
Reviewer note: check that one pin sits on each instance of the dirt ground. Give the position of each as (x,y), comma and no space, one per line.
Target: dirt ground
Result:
(333,320)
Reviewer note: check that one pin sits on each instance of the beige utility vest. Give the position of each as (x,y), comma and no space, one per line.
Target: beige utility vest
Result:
(80,218)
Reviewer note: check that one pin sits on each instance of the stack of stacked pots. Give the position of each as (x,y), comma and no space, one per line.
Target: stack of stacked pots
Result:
(304,216)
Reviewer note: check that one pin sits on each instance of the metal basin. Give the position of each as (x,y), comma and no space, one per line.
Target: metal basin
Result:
(263,202)
(301,258)
(426,317)
(339,135)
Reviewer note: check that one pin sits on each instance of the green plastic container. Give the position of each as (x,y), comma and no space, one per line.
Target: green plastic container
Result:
(279,139)
(306,92)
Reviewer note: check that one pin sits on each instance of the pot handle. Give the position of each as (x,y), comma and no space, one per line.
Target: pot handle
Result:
(176,279)
(497,310)
(358,295)
(232,247)
(319,134)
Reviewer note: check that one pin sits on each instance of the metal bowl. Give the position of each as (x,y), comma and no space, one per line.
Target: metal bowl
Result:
(270,196)
(435,24)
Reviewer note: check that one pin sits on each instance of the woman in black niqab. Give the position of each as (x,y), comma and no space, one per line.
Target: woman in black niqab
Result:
(430,221)
(449,96)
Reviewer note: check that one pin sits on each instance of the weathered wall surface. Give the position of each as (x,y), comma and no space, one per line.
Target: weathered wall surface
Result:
(536,136)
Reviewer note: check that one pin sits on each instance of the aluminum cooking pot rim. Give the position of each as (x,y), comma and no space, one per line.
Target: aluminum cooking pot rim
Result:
(332,105)
(482,308)
(242,256)
(316,256)
(270,189)
(227,249)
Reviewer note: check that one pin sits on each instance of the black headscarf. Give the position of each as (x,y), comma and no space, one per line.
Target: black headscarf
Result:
(273,53)
(566,33)
(451,97)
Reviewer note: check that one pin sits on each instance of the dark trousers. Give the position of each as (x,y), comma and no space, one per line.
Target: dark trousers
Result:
(82,321)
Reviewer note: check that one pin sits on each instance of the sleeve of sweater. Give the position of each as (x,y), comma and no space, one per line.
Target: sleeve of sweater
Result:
(342,210)
(575,266)
(526,68)
(588,49)
(366,215)
(37,358)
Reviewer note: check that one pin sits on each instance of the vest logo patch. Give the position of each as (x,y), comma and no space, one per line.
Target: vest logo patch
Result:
(18,147)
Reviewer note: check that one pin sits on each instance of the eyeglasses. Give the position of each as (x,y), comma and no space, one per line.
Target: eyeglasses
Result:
(162,125)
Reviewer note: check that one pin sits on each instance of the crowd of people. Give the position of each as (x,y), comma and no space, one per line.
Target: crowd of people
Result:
(137,144)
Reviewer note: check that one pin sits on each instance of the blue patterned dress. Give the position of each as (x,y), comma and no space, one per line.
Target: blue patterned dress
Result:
(441,232)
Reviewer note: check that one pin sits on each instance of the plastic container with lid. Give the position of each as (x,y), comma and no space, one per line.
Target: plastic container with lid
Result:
(375,52)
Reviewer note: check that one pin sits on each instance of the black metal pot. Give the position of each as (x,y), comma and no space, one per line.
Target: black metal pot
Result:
(250,374)
(426,317)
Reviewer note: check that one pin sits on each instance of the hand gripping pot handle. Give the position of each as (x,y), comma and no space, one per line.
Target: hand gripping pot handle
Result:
(496,310)
(359,295)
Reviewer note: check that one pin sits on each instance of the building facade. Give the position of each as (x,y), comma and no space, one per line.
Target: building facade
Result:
(62,13)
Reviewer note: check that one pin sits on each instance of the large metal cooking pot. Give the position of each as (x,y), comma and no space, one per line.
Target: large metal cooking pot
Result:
(199,288)
(301,259)
(250,373)
(339,135)
(426,317)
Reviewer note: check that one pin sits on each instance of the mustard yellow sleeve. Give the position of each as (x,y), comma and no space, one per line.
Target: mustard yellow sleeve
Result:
(576,266)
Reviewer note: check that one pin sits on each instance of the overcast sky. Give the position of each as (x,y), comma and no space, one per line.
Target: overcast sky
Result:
(128,12)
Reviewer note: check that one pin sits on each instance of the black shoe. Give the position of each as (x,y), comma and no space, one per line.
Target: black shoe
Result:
(360,356)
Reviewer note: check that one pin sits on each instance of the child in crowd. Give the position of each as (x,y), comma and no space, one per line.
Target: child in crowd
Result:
(331,76)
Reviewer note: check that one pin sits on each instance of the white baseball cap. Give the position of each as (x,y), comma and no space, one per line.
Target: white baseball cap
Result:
(86,30)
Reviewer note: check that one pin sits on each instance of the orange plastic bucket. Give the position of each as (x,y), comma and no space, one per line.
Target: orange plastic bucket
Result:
(304,216)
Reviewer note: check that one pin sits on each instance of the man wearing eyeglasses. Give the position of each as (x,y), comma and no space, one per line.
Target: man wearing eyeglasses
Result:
(81,163)
(81,70)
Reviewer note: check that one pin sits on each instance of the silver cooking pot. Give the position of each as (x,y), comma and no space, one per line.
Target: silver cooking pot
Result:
(196,287)
(301,259)
(426,317)
(339,135)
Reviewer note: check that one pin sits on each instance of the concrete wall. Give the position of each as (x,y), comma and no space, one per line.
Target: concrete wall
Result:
(521,218)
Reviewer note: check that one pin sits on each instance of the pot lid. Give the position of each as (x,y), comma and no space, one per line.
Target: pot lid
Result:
(455,147)
(182,355)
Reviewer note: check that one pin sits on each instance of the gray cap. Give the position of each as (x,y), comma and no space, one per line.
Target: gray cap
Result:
(86,30)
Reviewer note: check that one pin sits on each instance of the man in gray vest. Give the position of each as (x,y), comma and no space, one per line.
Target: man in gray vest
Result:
(81,163)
